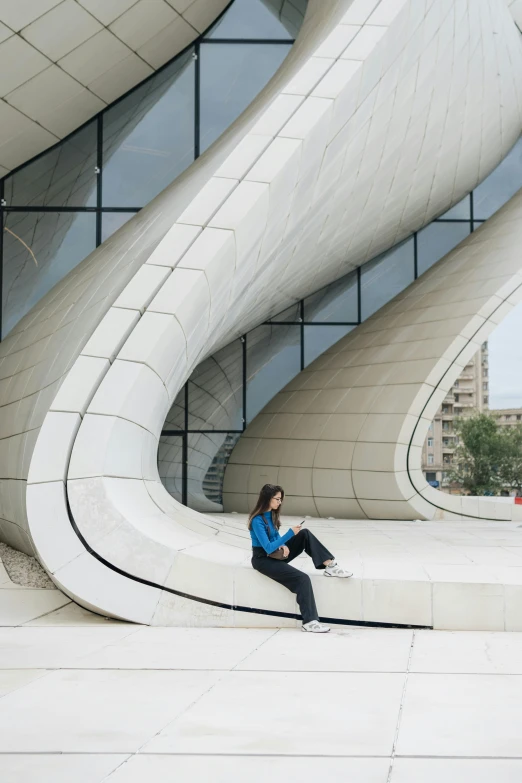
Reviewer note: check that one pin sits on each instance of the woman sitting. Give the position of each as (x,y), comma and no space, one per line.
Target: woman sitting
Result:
(272,553)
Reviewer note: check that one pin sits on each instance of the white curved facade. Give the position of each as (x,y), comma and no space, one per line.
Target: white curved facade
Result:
(63,61)
(371,128)
(355,420)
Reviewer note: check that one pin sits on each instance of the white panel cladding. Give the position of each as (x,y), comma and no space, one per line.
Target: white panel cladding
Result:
(53,536)
(109,336)
(112,446)
(51,454)
(154,341)
(62,61)
(401,394)
(364,172)
(174,245)
(80,384)
(134,392)
(138,293)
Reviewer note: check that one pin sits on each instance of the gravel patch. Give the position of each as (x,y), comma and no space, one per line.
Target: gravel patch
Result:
(23,569)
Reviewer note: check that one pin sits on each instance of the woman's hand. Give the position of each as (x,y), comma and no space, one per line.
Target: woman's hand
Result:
(296,529)
(285,549)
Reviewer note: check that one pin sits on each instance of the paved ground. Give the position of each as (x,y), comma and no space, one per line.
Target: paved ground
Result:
(87,700)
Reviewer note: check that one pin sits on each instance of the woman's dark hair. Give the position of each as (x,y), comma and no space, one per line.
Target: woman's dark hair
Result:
(263,504)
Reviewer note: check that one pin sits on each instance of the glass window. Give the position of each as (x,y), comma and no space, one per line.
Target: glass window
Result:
(207,458)
(293,313)
(148,137)
(216,391)
(337,302)
(256,19)
(460,211)
(170,464)
(112,221)
(57,242)
(436,240)
(501,184)
(430,459)
(385,277)
(430,443)
(273,359)
(64,176)
(317,339)
(231,75)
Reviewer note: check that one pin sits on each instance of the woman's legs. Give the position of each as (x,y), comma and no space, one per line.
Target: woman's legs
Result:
(294,580)
(304,541)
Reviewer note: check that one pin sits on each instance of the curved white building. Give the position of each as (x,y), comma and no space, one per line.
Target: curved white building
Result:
(384,115)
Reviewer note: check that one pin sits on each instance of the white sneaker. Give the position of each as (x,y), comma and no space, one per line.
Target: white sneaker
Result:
(334,569)
(314,626)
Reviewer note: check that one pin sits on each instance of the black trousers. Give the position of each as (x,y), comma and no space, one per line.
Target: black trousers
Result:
(296,581)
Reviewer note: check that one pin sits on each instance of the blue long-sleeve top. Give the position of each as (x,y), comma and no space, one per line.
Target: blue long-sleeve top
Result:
(269,538)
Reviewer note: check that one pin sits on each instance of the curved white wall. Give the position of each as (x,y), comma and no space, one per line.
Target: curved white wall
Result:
(373,126)
(63,62)
(345,436)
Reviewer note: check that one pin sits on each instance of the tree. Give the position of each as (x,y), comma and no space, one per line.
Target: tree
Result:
(479,455)
(510,465)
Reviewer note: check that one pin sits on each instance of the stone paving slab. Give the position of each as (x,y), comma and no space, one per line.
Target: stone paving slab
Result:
(58,768)
(97,701)
(362,704)
(20,605)
(353,714)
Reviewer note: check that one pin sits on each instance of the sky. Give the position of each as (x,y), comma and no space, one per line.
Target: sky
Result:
(505,362)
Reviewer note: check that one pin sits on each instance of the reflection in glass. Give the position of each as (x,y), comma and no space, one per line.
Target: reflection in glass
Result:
(317,339)
(216,391)
(292,313)
(258,19)
(207,458)
(112,221)
(64,176)
(58,240)
(148,137)
(436,240)
(385,277)
(170,464)
(231,76)
(273,359)
(460,211)
(337,302)
(501,184)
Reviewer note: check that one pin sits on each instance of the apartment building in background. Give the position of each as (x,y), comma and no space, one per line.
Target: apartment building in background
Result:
(469,395)
(508,417)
